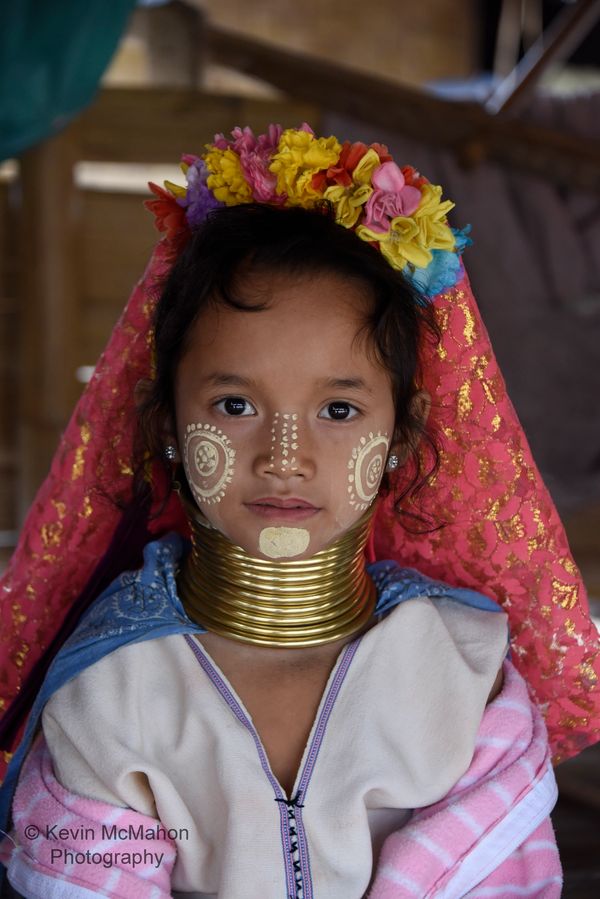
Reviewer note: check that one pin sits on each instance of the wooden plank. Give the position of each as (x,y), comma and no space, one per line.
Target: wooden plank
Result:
(464,128)
(158,125)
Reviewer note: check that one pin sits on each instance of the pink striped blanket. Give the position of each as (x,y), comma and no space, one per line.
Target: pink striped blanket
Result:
(489,837)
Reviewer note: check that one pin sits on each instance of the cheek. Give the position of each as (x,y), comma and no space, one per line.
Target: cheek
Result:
(366,466)
(209,461)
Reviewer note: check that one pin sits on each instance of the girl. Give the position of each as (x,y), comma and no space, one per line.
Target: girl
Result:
(261,715)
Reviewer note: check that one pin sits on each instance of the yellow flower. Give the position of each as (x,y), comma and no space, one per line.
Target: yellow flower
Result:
(400,244)
(299,156)
(226,179)
(347,201)
(434,232)
(365,168)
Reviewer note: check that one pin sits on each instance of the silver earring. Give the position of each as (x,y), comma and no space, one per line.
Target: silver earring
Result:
(170,453)
(393,462)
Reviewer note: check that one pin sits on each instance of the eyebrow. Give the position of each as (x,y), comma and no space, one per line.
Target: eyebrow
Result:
(221,379)
(224,379)
(346,384)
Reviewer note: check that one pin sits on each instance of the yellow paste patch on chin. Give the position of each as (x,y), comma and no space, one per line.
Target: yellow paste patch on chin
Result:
(278,543)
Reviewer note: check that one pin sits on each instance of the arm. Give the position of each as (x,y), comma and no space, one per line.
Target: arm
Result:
(492,829)
(97,848)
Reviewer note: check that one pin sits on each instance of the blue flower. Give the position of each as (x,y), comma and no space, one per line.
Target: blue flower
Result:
(445,269)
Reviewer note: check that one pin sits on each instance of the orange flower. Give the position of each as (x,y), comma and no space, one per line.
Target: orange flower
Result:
(169,217)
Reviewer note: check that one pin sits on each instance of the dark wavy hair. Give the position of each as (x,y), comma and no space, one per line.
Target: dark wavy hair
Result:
(238,241)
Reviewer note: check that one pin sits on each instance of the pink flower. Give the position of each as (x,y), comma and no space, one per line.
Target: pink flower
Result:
(392,197)
(255,157)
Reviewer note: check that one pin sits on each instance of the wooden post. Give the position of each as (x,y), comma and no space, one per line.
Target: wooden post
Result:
(49,323)
(175,43)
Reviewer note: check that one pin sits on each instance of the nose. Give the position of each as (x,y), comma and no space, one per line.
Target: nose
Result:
(285,454)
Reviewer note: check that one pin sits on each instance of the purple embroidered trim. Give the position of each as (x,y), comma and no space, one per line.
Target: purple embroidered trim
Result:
(301,889)
(313,752)
(239,713)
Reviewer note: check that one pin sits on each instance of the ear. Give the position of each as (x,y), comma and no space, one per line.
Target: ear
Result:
(166,426)
(420,407)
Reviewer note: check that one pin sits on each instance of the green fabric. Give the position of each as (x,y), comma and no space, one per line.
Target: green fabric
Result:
(52,56)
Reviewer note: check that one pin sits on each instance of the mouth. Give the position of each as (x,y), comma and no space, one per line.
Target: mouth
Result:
(289,509)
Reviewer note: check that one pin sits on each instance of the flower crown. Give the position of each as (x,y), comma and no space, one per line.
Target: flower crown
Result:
(393,208)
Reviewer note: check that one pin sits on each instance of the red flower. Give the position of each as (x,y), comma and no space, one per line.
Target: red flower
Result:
(169,216)
(341,173)
(412,177)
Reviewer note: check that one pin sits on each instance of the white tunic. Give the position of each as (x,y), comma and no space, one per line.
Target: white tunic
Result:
(156,726)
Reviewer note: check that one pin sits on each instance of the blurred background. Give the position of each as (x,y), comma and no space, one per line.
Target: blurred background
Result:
(497,101)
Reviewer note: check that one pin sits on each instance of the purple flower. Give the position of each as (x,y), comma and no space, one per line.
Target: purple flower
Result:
(199,200)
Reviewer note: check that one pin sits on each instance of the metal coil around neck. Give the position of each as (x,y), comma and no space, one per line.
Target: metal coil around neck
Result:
(306,602)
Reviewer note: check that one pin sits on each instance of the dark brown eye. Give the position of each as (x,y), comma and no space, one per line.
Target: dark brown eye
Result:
(339,411)
(235,405)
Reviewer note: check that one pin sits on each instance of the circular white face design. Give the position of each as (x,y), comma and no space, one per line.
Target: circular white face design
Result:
(366,467)
(208,459)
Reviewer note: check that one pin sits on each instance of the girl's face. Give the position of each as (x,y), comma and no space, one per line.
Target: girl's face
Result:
(284,417)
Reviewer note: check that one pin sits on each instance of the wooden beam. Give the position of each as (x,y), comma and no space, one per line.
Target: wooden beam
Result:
(554,45)
(463,127)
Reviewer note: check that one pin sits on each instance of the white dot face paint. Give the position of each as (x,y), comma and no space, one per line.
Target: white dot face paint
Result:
(281,543)
(284,441)
(208,459)
(366,467)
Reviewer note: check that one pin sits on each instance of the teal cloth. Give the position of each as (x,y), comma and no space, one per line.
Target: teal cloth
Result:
(52,56)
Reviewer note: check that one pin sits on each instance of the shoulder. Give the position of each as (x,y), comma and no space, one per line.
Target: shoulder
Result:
(396,584)
(468,619)
(106,727)
(137,606)
(136,598)
(423,677)
(114,686)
